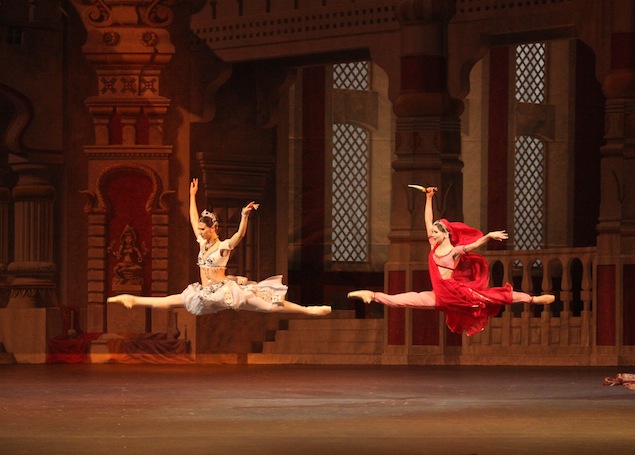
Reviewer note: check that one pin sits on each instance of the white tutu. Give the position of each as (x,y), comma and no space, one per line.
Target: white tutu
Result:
(235,293)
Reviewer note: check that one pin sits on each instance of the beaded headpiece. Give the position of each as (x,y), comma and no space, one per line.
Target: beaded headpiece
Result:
(211,215)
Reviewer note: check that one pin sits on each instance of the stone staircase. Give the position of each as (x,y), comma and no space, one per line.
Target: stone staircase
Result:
(336,340)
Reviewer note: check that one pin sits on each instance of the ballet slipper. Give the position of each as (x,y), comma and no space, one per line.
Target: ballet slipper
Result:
(364,296)
(126,300)
(318,310)
(544,299)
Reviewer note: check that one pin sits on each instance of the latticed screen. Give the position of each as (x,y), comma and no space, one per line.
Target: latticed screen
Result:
(352,76)
(529,162)
(350,194)
(351,173)
(529,193)
(531,66)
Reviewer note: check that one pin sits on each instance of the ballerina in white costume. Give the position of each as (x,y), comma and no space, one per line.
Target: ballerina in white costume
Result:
(217,291)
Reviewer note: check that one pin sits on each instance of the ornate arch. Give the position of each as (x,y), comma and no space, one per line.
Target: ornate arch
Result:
(157,202)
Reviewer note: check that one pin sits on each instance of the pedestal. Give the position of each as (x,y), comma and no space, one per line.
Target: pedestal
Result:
(25,331)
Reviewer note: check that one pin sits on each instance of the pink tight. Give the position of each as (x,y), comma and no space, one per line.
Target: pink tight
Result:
(427,299)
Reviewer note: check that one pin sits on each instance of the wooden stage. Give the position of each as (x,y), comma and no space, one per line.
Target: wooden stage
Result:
(92,409)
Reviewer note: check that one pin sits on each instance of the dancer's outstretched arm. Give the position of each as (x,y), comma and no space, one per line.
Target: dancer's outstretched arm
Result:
(428,214)
(244,221)
(494,235)
(194,216)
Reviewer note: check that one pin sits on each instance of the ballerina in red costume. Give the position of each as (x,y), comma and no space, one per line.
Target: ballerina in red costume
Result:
(459,278)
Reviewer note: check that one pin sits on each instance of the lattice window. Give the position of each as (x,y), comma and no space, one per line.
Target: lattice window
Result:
(350,194)
(352,76)
(529,163)
(531,71)
(529,184)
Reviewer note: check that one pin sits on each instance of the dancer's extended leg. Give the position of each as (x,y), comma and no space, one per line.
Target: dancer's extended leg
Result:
(544,299)
(129,300)
(287,307)
(523,297)
(424,299)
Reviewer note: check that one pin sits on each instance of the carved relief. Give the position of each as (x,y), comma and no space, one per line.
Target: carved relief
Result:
(103,13)
(128,272)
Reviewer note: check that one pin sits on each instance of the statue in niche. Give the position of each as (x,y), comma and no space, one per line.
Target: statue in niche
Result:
(128,273)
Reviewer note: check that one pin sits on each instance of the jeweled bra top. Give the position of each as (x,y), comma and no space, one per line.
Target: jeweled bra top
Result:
(217,259)
(450,259)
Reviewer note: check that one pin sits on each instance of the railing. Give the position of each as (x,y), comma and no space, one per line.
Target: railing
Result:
(564,327)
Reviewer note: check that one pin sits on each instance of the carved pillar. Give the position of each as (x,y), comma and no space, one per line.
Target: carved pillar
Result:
(616,240)
(128,46)
(427,148)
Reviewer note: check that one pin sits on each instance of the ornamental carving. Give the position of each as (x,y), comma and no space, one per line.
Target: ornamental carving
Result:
(157,202)
(128,272)
(104,13)
(111,38)
(149,39)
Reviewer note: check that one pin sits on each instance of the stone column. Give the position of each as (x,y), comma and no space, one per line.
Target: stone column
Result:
(427,148)
(616,239)
(33,268)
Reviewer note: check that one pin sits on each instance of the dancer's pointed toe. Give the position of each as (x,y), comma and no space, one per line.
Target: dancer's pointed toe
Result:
(322,310)
(544,299)
(363,295)
(126,300)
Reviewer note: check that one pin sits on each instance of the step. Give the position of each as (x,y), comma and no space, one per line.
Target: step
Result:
(341,335)
(338,324)
(291,346)
(327,359)
(315,359)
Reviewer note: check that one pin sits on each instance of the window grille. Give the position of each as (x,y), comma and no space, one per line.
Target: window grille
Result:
(350,194)
(352,76)
(529,161)
(529,184)
(350,174)
(531,71)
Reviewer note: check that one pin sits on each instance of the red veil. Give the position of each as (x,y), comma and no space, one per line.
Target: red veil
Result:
(465,298)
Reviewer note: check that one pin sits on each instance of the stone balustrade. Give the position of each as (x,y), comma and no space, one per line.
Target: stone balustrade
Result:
(560,333)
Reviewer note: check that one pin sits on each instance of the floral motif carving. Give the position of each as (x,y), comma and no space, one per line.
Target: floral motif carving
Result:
(111,38)
(154,13)
(149,39)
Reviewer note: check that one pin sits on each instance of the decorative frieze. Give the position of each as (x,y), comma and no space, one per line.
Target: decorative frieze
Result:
(232,30)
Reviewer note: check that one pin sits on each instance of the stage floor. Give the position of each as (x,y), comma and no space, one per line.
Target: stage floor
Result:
(306,410)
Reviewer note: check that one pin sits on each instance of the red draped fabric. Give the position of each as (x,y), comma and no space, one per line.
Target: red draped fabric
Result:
(465,298)
(63,349)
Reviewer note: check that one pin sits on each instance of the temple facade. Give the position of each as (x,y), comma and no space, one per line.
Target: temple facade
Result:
(522,113)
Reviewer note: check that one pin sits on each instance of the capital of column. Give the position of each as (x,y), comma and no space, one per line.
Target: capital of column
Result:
(103,13)
(128,44)
(34,181)
(127,32)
